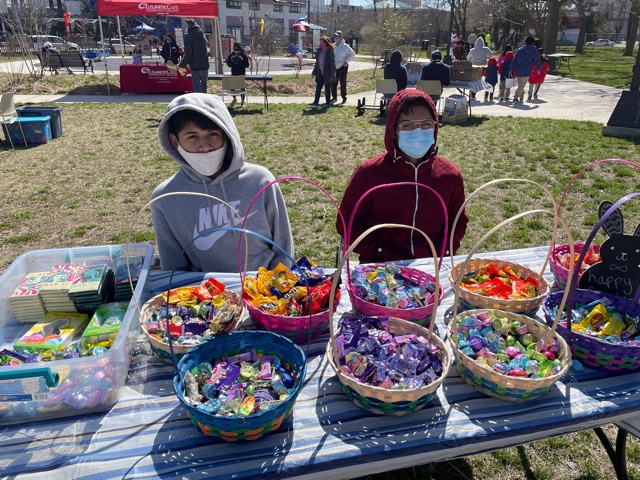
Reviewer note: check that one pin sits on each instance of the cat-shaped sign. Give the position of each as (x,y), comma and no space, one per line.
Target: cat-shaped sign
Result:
(619,271)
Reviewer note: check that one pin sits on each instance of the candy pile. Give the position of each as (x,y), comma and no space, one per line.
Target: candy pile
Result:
(239,385)
(386,285)
(601,319)
(368,352)
(80,349)
(502,283)
(284,292)
(194,313)
(506,346)
(590,258)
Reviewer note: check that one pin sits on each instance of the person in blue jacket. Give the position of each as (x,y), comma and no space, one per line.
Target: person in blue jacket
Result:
(491,77)
(526,57)
(436,70)
(396,71)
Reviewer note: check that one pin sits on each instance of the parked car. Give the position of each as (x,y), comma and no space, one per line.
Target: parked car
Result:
(601,42)
(116,46)
(564,42)
(36,42)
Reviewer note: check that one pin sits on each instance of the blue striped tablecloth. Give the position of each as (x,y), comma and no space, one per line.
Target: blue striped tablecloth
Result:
(147,433)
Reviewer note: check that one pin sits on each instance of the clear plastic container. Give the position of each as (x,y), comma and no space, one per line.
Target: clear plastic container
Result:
(71,386)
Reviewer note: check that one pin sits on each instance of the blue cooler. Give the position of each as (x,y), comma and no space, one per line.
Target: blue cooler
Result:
(37,130)
(36,111)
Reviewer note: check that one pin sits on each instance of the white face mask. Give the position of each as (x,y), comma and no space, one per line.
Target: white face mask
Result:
(205,163)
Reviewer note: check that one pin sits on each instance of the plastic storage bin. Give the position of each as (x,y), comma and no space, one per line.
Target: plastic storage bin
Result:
(34,392)
(54,112)
(37,130)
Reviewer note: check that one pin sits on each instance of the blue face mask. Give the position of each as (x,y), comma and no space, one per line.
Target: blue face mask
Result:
(416,143)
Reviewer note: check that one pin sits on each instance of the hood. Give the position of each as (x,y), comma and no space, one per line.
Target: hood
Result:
(212,107)
(393,112)
(530,49)
(480,43)
(195,31)
(492,62)
(508,56)
(396,57)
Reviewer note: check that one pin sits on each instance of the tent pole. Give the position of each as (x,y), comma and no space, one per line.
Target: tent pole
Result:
(218,44)
(104,55)
(120,37)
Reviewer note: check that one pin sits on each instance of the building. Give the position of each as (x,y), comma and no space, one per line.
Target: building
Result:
(240,18)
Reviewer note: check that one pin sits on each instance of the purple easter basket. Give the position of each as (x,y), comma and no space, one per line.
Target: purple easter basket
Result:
(299,329)
(592,351)
(417,315)
(560,272)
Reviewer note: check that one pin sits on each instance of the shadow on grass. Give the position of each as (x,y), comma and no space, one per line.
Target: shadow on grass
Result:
(472,121)
(245,113)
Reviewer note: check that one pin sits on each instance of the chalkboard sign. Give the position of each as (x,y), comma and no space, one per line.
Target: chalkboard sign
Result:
(619,271)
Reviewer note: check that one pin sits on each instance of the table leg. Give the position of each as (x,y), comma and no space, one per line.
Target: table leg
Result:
(617,455)
(264,91)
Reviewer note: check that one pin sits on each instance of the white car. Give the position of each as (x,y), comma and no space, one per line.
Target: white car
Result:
(57,42)
(601,42)
(117,46)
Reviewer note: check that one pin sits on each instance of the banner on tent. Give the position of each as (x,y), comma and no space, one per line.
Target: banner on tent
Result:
(174,8)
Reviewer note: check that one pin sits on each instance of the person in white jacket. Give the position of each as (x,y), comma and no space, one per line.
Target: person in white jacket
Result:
(344,54)
(480,54)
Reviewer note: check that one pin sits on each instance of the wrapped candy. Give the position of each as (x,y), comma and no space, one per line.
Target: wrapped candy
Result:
(502,283)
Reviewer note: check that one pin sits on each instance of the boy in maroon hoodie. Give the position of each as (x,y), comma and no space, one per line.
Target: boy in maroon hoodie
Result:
(411,156)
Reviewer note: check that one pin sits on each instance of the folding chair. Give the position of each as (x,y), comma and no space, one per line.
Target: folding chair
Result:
(10,115)
(414,69)
(433,88)
(235,85)
(388,87)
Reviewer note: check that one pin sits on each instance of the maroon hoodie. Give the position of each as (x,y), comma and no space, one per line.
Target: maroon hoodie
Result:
(403,204)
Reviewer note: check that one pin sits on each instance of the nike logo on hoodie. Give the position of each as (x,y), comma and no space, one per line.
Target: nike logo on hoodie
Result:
(218,216)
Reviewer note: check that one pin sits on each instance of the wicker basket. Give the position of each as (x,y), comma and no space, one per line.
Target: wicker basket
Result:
(485,379)
(380,400)
(297,329)
(255,425)
(590,350)
(161,349)
(504,387)
(417,315)
(470,300)
(560,272)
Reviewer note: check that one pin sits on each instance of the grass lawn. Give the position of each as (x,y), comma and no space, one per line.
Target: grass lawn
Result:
(87,187)
(601,65)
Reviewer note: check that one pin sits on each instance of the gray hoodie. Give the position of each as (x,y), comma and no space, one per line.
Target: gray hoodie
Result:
(480,54)
(179,219)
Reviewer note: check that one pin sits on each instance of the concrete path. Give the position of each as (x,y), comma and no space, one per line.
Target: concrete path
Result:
(559,98)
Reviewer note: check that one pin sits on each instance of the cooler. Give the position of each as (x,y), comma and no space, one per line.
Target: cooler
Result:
(456,109)
(74,386)
(37,130)
(36,111)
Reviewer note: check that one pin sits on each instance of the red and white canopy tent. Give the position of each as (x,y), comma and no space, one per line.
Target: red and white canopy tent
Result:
(173,8)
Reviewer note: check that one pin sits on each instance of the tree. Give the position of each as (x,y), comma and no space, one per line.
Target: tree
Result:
(553,23)
(632,28)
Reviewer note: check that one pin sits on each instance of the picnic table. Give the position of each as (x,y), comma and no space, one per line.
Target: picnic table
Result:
(556,60)
(147,432)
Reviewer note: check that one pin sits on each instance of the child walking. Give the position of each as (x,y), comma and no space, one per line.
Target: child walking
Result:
(537,77)
(491,77)
(504,68)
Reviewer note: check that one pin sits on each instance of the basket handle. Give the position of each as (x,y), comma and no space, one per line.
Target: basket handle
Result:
(608,213)
(277,180)
(350,250)
(504,180)
(347,235)
(458,280)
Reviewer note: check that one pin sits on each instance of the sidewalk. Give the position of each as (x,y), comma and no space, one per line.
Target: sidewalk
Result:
(559,98)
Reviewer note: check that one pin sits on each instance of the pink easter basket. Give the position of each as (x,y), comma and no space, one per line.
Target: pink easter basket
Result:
(297,329)
(418,315)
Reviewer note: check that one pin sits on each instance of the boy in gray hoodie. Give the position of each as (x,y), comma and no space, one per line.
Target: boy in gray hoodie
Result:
(198,132)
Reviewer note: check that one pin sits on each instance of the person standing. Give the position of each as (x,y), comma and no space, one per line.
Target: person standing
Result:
(324,71)
(479,54)
(170,50)
(344,54)
(526,57)
(238,62)
(196,56)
